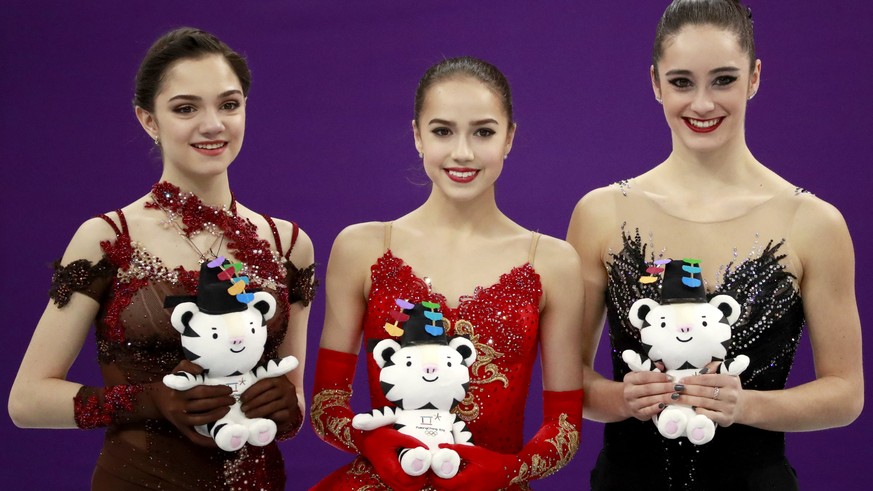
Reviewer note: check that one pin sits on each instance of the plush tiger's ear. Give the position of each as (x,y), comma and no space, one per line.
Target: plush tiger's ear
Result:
(265,304)
(181,318)
(384,350)
(728,306)
(639,310)
(466,348)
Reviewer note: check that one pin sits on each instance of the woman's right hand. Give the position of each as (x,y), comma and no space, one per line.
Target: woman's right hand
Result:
(189,408)
(381,447)
(647,393)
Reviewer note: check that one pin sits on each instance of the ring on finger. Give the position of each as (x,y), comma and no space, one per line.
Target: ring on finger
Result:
(715,392)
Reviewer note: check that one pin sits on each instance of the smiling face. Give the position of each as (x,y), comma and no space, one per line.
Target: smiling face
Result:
(198,117)
(704,82)
(464,134)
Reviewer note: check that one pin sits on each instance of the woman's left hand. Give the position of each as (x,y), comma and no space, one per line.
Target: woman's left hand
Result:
(481,469)
(274,398)
(720,397)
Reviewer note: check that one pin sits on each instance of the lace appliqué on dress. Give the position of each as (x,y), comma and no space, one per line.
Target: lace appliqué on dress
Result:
(302,284)
(80,276)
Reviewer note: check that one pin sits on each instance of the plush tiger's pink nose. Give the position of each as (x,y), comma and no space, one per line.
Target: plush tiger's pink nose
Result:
(430,368)
(685,329)
(236,340)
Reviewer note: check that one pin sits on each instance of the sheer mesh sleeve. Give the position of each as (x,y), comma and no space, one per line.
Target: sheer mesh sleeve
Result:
(80,276)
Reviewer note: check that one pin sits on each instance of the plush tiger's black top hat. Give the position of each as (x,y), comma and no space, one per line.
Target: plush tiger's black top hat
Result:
(422,323)
(219,289)
(681,282)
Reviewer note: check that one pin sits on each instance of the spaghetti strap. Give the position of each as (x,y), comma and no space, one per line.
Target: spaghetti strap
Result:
(295,231)
(534,240)
(111,222)
(275,231)
(388,235)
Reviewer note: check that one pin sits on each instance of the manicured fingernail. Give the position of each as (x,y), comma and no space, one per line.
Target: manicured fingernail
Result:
(661,405)
(704,370)
(678,387)
(675,396)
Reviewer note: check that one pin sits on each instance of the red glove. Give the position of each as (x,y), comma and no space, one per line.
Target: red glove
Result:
(332,416)
(274,398)
(550,449)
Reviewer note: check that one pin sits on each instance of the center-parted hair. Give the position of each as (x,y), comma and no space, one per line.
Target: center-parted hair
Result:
(184,43)
(461,67)
(730,15)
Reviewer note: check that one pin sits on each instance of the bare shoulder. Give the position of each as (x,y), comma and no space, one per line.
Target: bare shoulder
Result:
(85,243)
(361,241)
(814,210)
(594,217)
(598,202)
(816,218)
(556,259)
(551,249)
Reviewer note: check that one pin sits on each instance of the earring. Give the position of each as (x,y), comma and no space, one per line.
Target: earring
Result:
(751,96)
(157,142)
(506,156)
(659,100)
(420,155)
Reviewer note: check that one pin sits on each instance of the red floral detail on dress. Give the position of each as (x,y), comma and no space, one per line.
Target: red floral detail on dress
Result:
(503,317)
(196,216)
(100,407)
(138,345)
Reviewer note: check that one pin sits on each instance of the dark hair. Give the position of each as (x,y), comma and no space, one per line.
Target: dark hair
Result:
(465,66)
(182,44)
(730,15)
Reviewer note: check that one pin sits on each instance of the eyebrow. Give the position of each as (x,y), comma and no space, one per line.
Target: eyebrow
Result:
(187,97)
(472,123)
(723,69)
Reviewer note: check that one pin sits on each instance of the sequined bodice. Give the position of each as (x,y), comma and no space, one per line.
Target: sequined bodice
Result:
(137,345)
(502,320)
(133,328)
(750,257)
(770,322)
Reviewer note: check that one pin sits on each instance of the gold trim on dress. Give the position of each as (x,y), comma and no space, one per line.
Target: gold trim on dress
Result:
(339,427)
(566,443)
(468,409)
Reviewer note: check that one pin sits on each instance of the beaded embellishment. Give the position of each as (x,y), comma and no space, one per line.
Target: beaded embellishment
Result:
(78,276)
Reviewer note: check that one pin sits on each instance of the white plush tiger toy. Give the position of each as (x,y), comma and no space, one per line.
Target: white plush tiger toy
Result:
(685,333)
(225,333)
(425,376)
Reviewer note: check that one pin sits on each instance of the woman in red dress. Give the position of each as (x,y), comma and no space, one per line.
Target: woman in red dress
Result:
(508,289)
